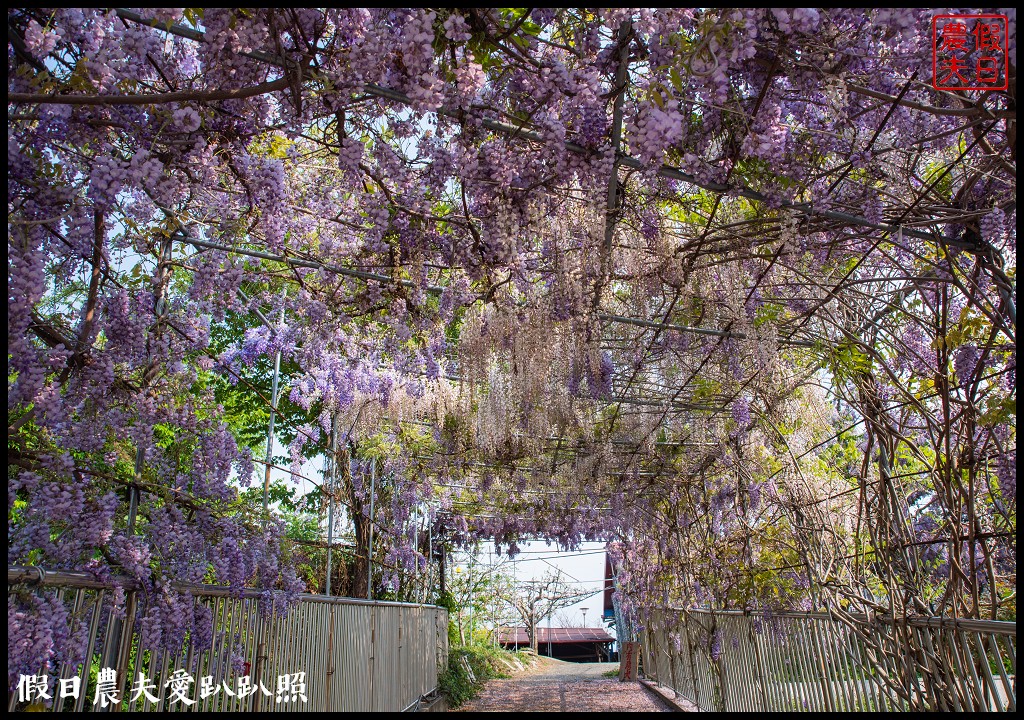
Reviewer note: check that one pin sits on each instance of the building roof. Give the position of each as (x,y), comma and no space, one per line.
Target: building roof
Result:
(518,636)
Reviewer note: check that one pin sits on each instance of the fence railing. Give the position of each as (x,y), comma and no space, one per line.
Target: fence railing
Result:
(357,655)
(734,661)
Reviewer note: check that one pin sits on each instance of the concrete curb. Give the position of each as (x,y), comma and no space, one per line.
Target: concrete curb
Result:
(667,696)
(432,703)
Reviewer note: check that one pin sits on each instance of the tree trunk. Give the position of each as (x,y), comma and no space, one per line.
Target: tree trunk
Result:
(361,566)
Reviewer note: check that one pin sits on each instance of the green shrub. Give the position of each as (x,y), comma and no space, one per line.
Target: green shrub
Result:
(455,684)
(486,661)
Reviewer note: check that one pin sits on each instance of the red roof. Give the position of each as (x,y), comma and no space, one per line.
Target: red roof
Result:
(518,636)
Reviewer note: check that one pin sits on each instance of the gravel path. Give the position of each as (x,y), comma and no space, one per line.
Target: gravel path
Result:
(556,686)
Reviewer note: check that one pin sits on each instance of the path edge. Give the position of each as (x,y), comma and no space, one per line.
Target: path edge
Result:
(667,696)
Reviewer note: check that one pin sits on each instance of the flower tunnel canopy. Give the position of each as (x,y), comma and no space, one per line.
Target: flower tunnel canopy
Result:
(732,290)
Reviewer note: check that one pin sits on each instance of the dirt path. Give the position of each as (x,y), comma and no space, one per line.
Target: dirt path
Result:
(556,686)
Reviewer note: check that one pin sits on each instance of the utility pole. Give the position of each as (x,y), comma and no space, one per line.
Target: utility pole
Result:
(273,411)
(332,484)
(442,570)
(549,635)
(515,579)
(493,602)
(369,550)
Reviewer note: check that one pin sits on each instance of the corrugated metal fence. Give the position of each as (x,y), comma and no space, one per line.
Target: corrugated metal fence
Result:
(357,655)
(732,661)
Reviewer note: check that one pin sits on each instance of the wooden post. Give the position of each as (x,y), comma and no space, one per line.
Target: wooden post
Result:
(629,661)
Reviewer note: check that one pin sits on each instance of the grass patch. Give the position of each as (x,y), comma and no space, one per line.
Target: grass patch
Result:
(613,673)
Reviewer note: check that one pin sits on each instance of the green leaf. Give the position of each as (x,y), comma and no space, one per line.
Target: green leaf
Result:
(676,78)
